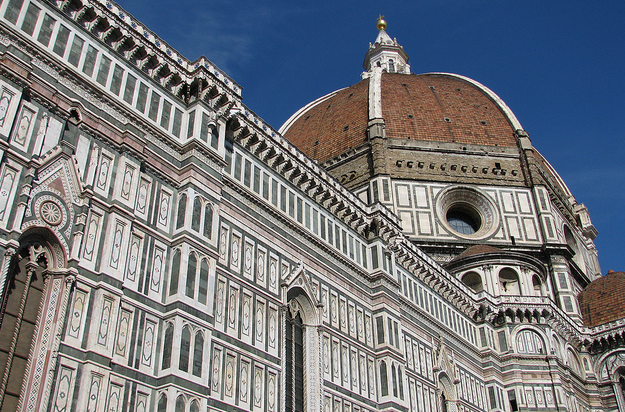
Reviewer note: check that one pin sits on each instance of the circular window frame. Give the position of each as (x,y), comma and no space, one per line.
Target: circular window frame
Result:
(472,202)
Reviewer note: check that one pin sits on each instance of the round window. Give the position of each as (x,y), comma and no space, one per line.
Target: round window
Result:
(463,221)
(467,212)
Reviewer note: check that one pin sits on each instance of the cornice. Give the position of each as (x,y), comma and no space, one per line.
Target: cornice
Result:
(139,46)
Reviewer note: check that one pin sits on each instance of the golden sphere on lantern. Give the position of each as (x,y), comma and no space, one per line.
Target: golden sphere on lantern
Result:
(381,25)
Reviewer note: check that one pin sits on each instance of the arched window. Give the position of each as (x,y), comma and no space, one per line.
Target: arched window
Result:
(473,281)
(394,374)
(180,404)
(198,354)
(194,407)
(400,383)
(20,300)
(167,347)
(185,346)
(383,379)
(574,362)
(208,221)
(182,211)
(509,282)
(537,284)
(197,214)
(572,242)
(294,363)
(175,273)
(528,341)
(391,66)
(162,404)
(191,269)
(203,287)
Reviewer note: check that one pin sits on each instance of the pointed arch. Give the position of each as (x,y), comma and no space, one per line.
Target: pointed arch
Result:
(175,272)
(448,393)
(168,341)
(197,214)
(34,274)
(185,348)
(162,403)
(383,379)
(191,274)
(180,404)
(182,210)
(198,353)
(301,342)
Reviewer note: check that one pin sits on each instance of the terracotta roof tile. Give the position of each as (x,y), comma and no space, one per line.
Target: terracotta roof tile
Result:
(603,300)
(431,107)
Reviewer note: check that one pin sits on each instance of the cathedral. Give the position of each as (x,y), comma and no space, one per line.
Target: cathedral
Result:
(397,245)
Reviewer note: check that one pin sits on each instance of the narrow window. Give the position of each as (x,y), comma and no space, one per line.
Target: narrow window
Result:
(182,211)
(175,273)
(214,138)
(203,287)
(180,404)
(129,92)
(30,20)
(116,82)
(61,41)
(400,383)
(165,115)
(162,404)
(394,378)
(154,103)
(167,347)
(185,345)
(198,353)
(89,63)
(75,51)
(197,214)
(204,128)
(191,124)
(194,407)
(237,166)
(380,328)
(13,10)
(46,30)
(299,210)
(208,221)
(256,184)
(294,363)
(191,269)
(265,186)
(274,192)
(177,122)
(142,97)
(383,378)
(103,72)
(247,173)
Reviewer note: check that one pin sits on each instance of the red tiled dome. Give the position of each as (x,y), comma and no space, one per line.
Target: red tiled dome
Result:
(435,107)
(603,300)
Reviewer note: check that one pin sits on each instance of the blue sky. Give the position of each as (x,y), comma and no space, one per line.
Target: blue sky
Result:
(557,64)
